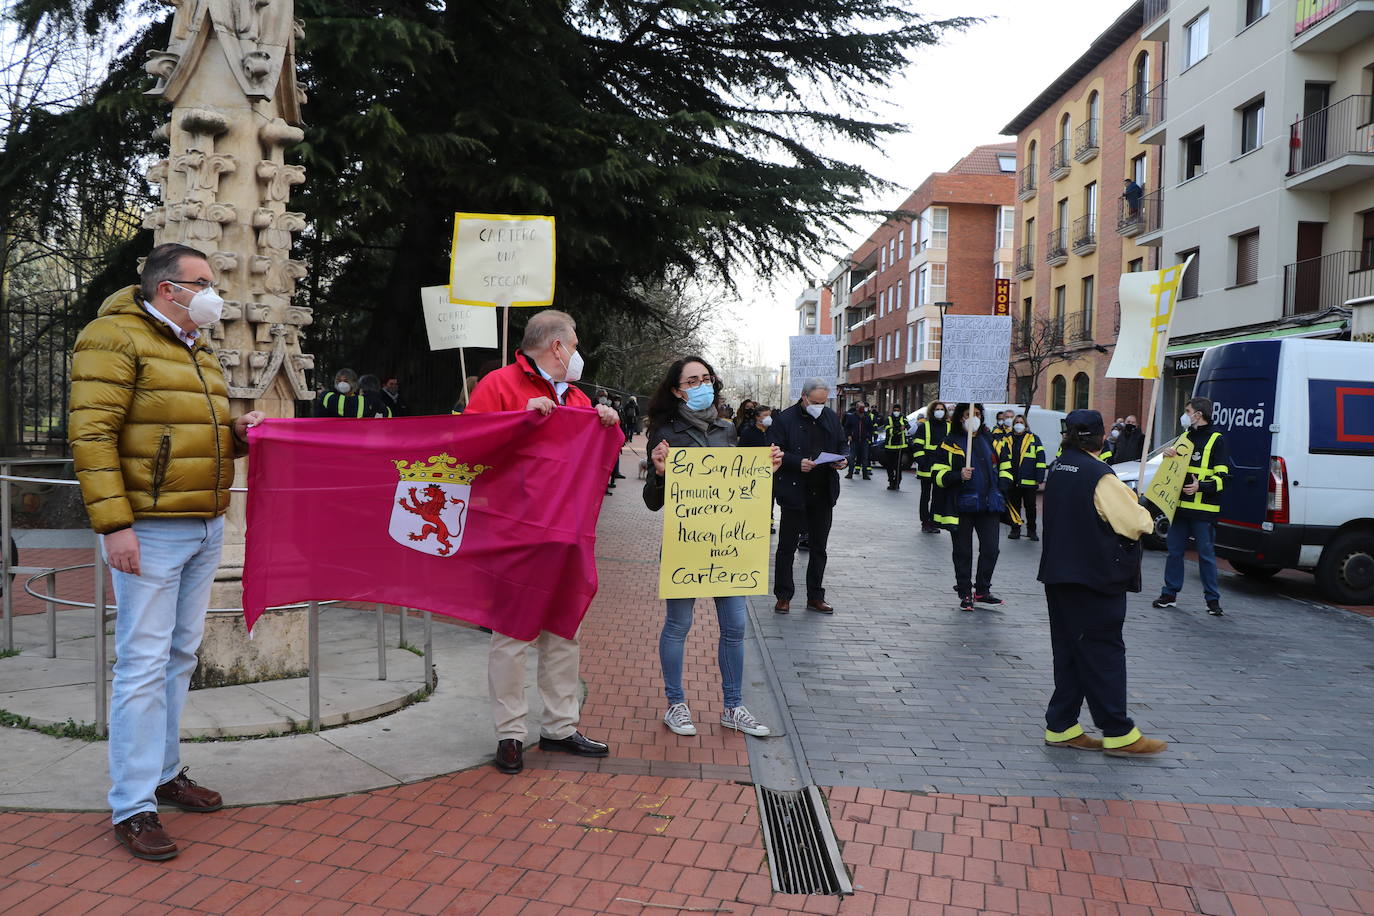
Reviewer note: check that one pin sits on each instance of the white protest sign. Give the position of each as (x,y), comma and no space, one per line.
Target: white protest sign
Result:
(812,356)
(1147,308)
(975,353)
(501,260)
(451,326)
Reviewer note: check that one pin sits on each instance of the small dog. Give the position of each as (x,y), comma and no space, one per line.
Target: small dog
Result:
(643,468)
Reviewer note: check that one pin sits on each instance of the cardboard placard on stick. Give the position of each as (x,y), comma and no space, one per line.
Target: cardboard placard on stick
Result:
(451,326)
(811,356)
(975,356)
(502,260)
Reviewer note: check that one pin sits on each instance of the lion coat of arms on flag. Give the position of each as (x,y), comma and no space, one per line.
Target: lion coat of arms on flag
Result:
(431,504)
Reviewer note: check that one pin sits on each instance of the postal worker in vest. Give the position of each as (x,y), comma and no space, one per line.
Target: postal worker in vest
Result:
(894,444)
(1091,559)
(1198,508)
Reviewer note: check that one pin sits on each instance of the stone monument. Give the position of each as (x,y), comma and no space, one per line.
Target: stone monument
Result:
(229,74)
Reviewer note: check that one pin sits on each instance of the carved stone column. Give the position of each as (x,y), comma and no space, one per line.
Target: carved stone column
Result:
(229,74)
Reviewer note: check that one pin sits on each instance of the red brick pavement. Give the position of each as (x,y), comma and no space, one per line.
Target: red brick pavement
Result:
(666,821)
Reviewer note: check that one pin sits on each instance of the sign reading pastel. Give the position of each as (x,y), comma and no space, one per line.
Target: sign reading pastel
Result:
(716,509)
(501,260)
(451,326)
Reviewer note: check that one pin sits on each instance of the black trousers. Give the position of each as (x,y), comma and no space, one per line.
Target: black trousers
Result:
(1023,500)
(1089,659)
(986,524)
(815,521)
(892,460)
(927,488)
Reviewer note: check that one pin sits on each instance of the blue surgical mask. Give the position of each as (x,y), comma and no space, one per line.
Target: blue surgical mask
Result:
(701,397)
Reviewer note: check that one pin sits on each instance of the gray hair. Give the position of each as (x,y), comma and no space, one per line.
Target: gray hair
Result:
(348,375)
(544,327)
(812,384)
(163,263)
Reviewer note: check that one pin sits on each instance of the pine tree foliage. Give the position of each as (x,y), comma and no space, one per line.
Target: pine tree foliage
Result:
(668,138)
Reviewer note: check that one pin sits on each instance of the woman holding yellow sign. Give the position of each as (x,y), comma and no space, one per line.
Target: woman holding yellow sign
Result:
(683,414)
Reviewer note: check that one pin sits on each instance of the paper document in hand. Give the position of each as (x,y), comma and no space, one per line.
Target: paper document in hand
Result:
(828,458)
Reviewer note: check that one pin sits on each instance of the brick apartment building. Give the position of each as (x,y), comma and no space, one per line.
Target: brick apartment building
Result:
(948,242)
(1076,143)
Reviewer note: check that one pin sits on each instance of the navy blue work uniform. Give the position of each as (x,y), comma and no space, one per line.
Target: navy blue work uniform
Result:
(1087,569)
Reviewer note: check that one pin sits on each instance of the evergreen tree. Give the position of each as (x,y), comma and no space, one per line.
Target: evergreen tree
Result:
(667,138)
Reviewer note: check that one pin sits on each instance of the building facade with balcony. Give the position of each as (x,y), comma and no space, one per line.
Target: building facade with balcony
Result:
(811,319)
(951,240)
(1268,169)
(1076,229)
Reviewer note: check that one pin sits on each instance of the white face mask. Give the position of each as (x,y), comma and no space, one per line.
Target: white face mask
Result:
(1116,434)
(1006,421)
(572,370)
(1019,428)
(815,410)
(342,387)
(767,422)
(939,414)
(206,305)
(1186,421)
(972,423)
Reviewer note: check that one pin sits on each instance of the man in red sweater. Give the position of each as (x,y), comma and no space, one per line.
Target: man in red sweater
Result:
(539,379)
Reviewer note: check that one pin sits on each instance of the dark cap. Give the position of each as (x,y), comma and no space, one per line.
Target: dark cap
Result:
(1084,421)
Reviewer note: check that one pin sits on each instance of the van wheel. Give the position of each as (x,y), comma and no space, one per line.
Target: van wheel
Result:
(1254,570)
(1345,572)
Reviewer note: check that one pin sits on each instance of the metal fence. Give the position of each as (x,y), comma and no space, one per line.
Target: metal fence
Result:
(36,381)
(1333,132)
(1330,281)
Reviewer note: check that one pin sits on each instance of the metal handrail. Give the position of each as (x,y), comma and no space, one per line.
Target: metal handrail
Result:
(102,609)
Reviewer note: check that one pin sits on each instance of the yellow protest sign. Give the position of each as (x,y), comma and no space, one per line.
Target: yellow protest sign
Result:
(716,511)
(1166,487)
(501,260)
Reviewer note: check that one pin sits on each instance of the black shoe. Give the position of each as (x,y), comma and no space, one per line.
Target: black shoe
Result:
(1034,536)
(966,603)
(868,477)
(1165,600)
(989,598)
(1014,534)
(849,476)
(1214,608)
(510,755)
(576,743)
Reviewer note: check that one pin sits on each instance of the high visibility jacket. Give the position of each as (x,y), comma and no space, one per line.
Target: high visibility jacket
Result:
(1211,465)
(929,436)
(981,493)
(895,431)
(1027,456)
(355,406)
(1105,455)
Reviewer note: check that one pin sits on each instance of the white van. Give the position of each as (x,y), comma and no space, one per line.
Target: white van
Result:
(1298,417)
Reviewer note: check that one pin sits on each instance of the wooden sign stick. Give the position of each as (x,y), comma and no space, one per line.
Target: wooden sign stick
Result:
(505,332)
(463,368)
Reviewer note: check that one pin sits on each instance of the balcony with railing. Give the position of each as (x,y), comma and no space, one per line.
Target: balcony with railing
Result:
(1087,141)
(1156,26)
(1156,113)
(1059,160)
(1078,327)
(1025,183)
(1332,26)
(1333,148)
(1057,246)
(1133,108)
(1145,221)
(1332,280)
(1025,261)
(1085,234)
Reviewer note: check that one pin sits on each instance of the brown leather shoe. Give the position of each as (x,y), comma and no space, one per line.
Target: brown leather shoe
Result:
(783,606)
(1138,748)
(1079,743)
(819,606)
(510,756)
(144,836)
(184,793)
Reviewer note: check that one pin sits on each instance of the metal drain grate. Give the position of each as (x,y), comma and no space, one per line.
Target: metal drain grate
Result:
(802,852)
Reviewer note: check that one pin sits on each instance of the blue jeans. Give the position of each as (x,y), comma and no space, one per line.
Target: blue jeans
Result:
(730,612)
(160,619)
(1203,531)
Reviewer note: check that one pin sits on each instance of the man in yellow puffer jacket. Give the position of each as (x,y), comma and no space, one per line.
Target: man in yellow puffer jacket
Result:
(154,449)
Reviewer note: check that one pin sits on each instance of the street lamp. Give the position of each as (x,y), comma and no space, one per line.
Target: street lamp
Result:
(940,382)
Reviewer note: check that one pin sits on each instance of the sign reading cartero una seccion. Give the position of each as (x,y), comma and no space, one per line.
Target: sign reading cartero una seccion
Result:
(502,260)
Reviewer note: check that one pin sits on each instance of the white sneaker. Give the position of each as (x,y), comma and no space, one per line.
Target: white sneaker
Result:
(678,718)
(740,719)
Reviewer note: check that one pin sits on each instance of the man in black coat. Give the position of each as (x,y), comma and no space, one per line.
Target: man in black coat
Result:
(806,491)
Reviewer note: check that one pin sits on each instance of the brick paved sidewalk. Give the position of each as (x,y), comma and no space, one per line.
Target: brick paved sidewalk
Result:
(668,821)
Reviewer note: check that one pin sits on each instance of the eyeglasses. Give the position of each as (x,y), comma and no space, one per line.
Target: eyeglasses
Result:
(198,284)
(695,380)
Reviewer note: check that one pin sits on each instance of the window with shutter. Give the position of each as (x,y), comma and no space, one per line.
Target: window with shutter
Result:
(1247,258)
(1188,288)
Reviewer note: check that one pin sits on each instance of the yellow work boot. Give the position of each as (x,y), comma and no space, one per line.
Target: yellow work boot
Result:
(1140,747)
(1078,743)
